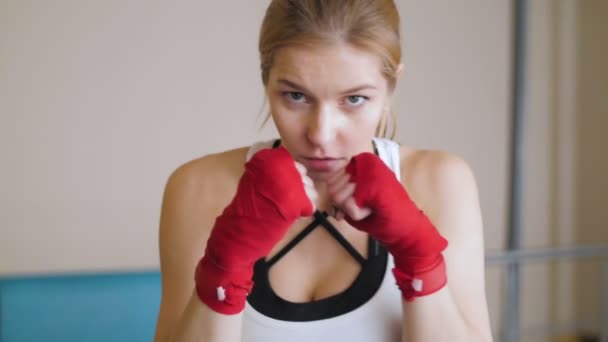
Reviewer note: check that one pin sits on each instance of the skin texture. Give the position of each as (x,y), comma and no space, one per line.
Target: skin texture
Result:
(323,123)
(316,110)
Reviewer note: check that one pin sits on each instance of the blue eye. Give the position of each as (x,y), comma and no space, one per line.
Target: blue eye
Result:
(295,96)
(356,100)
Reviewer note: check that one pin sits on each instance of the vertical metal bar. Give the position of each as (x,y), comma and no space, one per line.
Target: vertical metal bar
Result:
(512,328)
(512,306)
(604,303)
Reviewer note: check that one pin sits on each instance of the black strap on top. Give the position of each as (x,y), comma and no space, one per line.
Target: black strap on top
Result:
(320,219)
(314,224)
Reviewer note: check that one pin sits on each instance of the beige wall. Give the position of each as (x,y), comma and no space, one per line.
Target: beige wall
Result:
(562,178)
(101,101)
(566,164)
(592,160)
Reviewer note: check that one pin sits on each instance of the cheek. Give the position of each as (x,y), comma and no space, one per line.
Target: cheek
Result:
(284,119)
(370,118)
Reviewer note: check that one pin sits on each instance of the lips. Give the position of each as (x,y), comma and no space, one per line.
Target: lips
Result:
(322,164)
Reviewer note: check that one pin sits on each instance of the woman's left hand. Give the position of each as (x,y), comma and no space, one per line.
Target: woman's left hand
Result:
(370,197)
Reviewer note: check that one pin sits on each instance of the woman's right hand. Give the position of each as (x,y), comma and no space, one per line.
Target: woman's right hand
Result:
(272,193)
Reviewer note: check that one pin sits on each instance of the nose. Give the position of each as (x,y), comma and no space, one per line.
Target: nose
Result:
(321,130)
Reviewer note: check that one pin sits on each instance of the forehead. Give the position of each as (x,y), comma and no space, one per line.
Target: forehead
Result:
(327,67)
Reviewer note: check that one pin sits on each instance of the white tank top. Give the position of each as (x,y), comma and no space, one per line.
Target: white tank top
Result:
(377,320)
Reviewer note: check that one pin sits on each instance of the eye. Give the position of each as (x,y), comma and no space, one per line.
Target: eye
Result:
(295,96)
(356,100)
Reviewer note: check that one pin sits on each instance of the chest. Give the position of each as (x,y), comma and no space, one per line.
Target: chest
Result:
(318,266)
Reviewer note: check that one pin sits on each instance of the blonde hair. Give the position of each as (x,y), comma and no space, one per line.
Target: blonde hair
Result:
(371,25)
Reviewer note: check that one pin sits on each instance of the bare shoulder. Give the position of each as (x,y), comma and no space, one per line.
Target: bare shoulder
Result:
(208,178)
(222,164)
(194,195)
(437,180)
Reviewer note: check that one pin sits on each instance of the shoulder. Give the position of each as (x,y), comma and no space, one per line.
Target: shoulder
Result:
(434,172)
(209,174)
(199,188)
(439,182)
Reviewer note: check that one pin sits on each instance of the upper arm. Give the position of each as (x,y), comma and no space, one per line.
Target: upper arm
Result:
(185,222)
(449,196)
(459,219)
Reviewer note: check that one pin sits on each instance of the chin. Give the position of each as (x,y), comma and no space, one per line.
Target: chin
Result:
(319,176)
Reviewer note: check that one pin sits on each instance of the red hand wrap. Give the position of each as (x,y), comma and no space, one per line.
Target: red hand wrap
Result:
(269,198)
(399,225)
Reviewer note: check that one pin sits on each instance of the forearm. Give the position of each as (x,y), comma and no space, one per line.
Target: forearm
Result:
(199,323)
(437,318)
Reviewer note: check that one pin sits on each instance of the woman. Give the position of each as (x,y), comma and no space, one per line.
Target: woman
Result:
(295,239)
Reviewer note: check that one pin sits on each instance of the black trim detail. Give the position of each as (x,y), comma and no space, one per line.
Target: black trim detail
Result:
(264,300)
(375,148)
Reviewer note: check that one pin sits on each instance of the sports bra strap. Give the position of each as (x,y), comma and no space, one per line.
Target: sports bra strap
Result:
(320,219)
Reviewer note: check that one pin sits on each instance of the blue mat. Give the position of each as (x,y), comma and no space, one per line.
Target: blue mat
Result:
(83,308)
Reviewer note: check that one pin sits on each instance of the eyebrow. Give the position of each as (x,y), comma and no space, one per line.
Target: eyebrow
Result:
(351,90)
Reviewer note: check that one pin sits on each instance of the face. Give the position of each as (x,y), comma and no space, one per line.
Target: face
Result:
(326,103)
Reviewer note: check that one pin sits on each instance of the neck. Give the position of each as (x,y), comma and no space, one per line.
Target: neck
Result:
(323,203)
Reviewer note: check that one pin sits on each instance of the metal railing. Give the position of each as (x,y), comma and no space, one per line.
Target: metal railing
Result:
(511,329)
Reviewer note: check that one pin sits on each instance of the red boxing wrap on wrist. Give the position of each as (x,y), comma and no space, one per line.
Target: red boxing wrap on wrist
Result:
(397,223)
(269,198)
